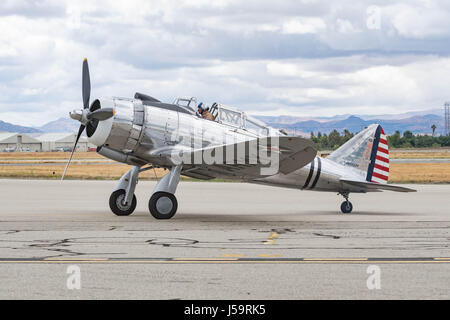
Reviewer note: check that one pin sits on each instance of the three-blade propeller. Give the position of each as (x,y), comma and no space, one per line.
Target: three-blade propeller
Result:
(85,116)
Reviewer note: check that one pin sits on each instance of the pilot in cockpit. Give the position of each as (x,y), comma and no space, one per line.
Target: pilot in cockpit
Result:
(204,112)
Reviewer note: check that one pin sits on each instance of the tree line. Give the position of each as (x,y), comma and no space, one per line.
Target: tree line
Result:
(334,140)
(409,140)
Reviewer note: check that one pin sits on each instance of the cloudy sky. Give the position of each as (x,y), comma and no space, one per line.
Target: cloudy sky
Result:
(299,57)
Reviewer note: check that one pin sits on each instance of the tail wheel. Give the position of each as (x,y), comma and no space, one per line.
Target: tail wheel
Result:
(116,203)
(346,207)
(163,205)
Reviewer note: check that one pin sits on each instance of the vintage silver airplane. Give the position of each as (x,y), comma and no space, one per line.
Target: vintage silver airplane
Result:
(147,133)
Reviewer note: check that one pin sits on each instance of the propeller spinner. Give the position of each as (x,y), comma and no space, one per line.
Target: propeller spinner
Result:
(88,115)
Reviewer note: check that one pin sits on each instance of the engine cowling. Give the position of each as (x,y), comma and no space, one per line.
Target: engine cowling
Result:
(121,132)
(118,137)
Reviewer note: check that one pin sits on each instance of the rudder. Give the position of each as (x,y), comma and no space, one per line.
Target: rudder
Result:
(367,153)
(379,165)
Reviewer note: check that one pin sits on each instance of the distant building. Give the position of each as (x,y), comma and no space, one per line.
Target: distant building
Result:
(10,141)
(63,141)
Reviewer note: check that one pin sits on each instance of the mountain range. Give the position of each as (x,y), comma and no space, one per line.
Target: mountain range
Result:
(418,122)
(9,127)
(293,119)
(59,125)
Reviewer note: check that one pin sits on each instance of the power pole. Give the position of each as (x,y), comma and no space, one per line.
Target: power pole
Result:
(447,118)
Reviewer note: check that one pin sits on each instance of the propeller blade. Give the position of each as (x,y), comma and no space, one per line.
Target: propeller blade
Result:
(80,131)
(101,114)
(86,85)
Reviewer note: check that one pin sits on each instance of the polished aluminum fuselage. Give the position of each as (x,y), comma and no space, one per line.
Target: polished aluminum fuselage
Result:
(140,134)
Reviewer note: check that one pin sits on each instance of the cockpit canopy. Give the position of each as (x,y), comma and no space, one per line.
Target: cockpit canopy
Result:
(222,114)
(189,104)
(239,119)
(227,116)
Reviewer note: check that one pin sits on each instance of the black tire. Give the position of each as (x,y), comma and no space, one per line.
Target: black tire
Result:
(165,209)
(115,203)
(346,207)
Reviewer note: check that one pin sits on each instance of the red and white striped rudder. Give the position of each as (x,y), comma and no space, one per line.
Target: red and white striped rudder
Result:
(380,161)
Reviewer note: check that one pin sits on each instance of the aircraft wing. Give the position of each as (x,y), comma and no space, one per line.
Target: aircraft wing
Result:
(291,153)
(365,186)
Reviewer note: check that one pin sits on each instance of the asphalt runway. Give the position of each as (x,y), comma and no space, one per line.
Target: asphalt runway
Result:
(227,241)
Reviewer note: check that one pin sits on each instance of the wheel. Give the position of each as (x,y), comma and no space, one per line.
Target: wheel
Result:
(163,205)
(117,206)
(346,207)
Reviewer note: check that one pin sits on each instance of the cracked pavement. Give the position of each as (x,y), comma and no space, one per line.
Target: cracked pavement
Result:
(46,220)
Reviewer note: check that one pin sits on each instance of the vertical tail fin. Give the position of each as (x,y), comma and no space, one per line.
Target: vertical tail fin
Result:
(379,164)
(368,153)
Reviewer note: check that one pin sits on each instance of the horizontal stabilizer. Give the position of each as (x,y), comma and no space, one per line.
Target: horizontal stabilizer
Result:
(373,186)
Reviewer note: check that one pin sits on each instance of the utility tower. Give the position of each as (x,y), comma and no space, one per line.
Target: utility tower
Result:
(447,118)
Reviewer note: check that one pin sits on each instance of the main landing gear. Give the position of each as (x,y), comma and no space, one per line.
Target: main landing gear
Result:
(118,204)
(346,206)
(162,204)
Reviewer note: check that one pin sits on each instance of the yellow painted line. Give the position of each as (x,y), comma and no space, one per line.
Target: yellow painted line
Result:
(273,235)
(335,259)
(441,258)
(203,259)
(272,238)
(264,255)
(75,259)
(231,255)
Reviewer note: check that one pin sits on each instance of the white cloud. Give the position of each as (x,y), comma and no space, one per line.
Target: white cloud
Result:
(418,21)
(290,56)
(284,69)
(345,26)
(304,26)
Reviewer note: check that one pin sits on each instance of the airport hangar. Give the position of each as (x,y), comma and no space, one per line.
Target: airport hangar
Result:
(45,142)
(10,141)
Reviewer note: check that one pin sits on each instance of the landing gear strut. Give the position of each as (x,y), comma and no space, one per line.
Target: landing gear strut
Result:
(123,201)
(346,206)
(162,205)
